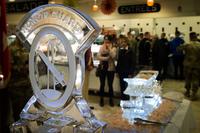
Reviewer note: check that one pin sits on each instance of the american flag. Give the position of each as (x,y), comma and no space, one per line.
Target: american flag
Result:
(4,50)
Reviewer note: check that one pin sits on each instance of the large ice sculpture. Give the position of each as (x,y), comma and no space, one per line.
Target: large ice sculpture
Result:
(57,38)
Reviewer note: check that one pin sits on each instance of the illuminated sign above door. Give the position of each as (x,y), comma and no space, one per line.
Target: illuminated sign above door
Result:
(141,8)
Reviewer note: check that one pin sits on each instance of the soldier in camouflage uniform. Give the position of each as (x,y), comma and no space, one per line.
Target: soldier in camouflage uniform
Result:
(19,84)
(191,65)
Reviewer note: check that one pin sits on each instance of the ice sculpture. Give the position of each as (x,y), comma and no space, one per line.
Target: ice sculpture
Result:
(57,38)
(144,92)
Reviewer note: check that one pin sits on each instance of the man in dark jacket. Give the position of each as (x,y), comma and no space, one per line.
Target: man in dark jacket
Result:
(178,56)
(162,57)
(144,50)
(125,65)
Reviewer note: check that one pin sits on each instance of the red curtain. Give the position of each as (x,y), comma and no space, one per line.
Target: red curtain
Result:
(4,50)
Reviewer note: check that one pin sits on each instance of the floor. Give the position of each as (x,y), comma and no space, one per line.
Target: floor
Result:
(167,85)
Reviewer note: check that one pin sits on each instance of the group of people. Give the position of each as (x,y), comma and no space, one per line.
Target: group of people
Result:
(133,54)
(156,52)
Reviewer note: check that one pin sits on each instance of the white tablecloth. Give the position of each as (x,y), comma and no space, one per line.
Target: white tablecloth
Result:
(183,120)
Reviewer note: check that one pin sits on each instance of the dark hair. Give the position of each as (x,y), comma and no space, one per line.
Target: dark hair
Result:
(129,33)
(193,36)
(177,33)
(163,34)
(108,37)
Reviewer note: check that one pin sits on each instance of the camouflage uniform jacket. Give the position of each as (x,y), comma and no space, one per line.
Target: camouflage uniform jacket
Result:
(192,54)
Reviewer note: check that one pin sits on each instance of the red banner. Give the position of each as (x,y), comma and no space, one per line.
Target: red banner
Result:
(4,50)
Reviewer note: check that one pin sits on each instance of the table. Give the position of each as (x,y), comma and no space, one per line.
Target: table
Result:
(182,121)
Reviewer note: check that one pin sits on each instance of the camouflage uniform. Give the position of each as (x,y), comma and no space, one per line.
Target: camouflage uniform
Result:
(191,67)
(19,85)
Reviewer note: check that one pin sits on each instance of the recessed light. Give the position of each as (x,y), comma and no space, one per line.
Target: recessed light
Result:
(11,0)
(52,2)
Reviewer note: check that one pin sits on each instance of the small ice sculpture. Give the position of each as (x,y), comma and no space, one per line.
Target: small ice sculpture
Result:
(144,96)
(139,86)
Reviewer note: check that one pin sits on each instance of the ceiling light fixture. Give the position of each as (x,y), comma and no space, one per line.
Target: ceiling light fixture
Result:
(11,0)
(52,2)
(150,2)
(95,6)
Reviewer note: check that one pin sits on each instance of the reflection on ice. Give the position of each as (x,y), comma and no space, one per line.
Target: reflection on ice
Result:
(144,97)
(140,107)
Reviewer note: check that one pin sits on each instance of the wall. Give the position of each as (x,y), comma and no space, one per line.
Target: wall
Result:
(147,21)
(153,22)
(169,8)
(184,25)
(155,25)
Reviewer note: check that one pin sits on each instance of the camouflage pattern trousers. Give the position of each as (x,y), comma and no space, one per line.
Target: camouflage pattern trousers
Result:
(192,76)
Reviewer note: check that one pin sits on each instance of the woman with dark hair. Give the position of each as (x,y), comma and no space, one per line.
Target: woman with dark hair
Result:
(106,55)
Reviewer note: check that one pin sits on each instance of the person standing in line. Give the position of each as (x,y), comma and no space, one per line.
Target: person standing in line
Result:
(162,57)
(140,37)
(88,68)
(191,65)
(133,45)
(170,71)
(106,56)
(177,56)
(125,65)
(155,42)
(144,50)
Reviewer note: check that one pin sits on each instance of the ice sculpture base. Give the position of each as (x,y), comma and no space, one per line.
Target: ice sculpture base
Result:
(139,107)
(34,119)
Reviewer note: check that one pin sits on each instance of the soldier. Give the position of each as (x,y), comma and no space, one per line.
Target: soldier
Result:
(191,65)
(19,84)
